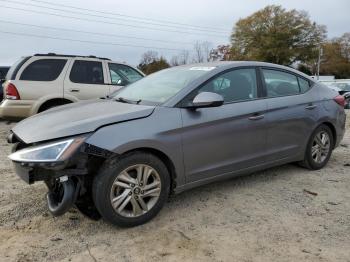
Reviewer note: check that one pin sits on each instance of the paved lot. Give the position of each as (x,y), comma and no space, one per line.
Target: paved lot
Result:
(266,216)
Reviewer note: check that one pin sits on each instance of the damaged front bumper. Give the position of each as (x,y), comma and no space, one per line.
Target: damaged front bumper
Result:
(31,173)
(68,176)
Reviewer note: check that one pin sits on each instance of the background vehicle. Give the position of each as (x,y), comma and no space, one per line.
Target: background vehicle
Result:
(173,130)
(342,87)
(37,83)
(3,72)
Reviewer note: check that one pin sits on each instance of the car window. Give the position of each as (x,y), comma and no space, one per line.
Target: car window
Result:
(280,83)
(122,72)
(342,86)
(43,70)
(303,84)
(87,72)
(116,79)
(11,74)
(3,72)
(236,85)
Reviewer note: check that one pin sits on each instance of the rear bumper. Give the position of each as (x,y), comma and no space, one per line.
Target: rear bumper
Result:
(16,108)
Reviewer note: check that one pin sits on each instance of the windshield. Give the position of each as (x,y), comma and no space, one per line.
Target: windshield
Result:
(159,87)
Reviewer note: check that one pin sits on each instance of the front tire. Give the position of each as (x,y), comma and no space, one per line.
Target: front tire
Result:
(130,190)
(319,148)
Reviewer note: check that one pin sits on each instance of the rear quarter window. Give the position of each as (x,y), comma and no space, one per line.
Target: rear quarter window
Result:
(11,74)
(303,84)
(43,70)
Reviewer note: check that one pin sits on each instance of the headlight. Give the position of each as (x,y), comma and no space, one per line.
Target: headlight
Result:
(50,152)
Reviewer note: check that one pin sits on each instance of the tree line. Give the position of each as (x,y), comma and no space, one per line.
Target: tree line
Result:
(152,62)
(272,34)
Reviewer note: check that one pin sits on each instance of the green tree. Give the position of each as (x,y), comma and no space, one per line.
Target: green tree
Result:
(336,57)
(305,69)
(276,35)
(150,63)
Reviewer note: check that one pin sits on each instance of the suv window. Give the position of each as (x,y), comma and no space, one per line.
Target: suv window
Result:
(120,72)
(11,74)
(43,70)
(280,83)
(235,85)
(87,72)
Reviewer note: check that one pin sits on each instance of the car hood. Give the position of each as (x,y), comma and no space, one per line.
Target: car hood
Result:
(77,118)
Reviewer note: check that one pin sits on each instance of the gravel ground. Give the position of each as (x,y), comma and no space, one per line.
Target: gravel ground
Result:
(266,216)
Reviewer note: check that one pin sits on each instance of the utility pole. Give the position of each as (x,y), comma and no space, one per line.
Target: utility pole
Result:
(319,61)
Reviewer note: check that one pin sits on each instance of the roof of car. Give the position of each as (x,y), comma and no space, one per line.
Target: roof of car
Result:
(81,56)
(62,55)
(238,63)
(219,64)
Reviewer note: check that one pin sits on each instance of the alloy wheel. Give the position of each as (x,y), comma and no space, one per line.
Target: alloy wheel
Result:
(320,147)
(135,190)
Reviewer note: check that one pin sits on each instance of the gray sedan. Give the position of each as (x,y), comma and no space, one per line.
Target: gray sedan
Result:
(121,157)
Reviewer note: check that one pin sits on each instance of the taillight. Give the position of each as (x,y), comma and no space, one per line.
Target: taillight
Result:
(12,92)
(340,100)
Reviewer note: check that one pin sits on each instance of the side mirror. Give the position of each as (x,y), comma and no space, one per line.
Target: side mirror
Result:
(120,82)
(207,99)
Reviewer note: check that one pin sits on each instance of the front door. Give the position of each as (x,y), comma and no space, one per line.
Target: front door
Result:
(228,138)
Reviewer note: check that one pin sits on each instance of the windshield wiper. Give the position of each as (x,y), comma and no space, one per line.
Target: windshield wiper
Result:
(129,101)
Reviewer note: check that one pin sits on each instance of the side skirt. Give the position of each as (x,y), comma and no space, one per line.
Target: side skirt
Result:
(236,173)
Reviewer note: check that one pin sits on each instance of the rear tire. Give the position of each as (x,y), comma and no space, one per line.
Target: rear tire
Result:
(130,190)
(319,148)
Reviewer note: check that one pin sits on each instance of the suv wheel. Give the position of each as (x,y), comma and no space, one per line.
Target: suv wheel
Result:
(50,105)
(131,190)
(319,148)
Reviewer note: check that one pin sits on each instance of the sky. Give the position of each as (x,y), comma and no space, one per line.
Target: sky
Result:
(124,30)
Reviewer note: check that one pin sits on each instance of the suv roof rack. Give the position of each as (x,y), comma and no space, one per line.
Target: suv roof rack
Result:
(61,55)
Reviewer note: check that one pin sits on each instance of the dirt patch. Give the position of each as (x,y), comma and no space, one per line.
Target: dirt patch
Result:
(285,213)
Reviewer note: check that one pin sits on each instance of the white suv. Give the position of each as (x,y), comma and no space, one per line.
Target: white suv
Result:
(37,83)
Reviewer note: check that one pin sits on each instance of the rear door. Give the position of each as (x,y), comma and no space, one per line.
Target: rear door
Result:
(86,79)
(291,113)
(228,138)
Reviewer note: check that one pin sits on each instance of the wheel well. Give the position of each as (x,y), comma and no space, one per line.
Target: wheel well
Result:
(165,159)
(55,101)
(334,132)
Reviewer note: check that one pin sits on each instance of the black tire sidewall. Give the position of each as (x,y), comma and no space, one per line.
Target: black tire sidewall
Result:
(102,185)
(308,157)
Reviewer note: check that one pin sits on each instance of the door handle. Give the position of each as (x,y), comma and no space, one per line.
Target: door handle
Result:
(74,90)
(310,107)
(256,117)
